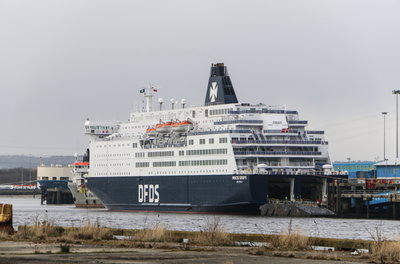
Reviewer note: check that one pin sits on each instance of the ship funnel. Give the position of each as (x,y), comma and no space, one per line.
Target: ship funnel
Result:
(220,89)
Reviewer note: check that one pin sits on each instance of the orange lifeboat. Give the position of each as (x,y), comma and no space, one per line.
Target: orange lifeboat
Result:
(183,126)
(164,127)
(151,131)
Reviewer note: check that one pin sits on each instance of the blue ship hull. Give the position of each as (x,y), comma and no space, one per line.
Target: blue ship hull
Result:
(203,193)
(49,184)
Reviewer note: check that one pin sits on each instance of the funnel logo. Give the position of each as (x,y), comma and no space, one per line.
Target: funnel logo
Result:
(213,91)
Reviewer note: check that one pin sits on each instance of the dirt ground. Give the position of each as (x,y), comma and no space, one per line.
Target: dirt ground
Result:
(26,252)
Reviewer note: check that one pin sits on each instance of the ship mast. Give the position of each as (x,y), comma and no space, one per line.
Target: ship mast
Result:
(148,95)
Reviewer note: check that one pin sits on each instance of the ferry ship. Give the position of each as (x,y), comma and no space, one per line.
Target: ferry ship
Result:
(225,156)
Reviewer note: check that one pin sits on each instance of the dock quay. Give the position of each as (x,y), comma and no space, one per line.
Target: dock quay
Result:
(19,191)
(56,196)
(365,198)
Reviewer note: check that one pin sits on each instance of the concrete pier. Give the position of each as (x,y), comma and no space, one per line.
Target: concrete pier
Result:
(365,198)
(56,196)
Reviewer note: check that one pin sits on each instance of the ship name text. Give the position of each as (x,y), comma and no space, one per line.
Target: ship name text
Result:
(148,193)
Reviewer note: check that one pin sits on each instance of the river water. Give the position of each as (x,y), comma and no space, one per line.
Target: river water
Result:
(27,210)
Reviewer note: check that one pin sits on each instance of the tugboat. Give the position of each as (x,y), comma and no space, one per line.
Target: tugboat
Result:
(83,198)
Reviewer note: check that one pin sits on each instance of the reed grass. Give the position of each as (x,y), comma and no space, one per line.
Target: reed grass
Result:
(4,235)
(157,233)
(291,241)
(40,230)
(213,234)
(89,231)
(385,251)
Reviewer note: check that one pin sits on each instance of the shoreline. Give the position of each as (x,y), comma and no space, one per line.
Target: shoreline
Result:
(27,252)
(42,243)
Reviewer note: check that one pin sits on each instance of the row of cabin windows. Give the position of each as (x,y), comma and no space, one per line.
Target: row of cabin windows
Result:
(203,162)
(142,164)
(112,173)
(140,155)
(156,173)
(181,153)
(111,164)
(202,141)
(160,154)
(220,111)
(119,173)
(113,155)
(182,163)
(164,164)
(112,145)
(205,152)
(187,172)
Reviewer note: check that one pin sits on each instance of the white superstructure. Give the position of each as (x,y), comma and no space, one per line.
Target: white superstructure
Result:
(214,139)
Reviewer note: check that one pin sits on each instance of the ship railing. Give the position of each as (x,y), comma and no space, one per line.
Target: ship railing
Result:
(247,131)
(315,132)
(311,142)
(101,130)
(211,132)
(383,192)
(305,153)
(239,121)
(285,172)
(280,131)
(150,146)
(272,164)
(262,111)
(297,122)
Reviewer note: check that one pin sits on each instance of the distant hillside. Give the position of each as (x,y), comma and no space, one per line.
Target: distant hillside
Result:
(17,176)
(22,161)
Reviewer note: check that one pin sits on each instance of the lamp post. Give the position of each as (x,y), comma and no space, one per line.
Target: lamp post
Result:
(397,92)
(384,135)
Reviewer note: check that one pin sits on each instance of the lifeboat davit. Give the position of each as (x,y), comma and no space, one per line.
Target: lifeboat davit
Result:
(183,126)
(151,131)
(164,127)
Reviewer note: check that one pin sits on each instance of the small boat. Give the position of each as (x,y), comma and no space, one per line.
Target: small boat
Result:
(183,126)
(83,198)
(151,131)
(164,127)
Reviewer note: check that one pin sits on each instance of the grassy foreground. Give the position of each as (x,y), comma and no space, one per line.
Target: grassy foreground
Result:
(212,234)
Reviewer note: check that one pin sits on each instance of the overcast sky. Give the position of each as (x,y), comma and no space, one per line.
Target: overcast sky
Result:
(336,62)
